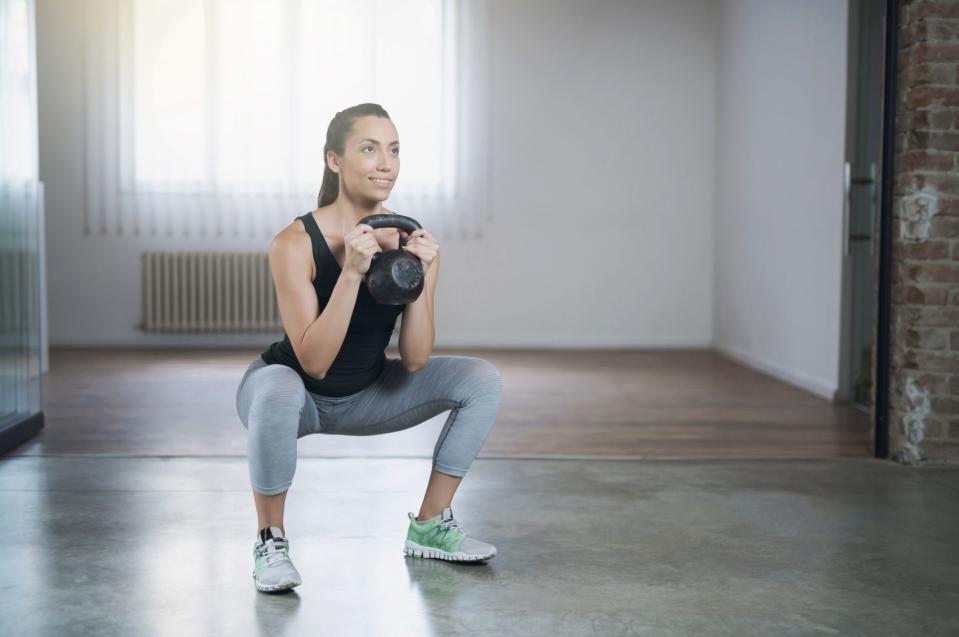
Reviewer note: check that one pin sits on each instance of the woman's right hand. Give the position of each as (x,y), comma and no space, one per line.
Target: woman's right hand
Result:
(360,245)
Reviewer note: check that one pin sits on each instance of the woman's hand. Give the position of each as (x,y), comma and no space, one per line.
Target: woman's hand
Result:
(422,244)
(360,245)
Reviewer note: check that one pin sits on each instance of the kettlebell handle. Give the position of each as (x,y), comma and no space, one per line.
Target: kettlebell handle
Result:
(392,221)
(395,277)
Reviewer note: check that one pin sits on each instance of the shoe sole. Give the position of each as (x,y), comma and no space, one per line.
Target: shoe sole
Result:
(415,550)
(275,587)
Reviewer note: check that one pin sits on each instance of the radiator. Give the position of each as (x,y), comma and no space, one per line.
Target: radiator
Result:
(209,292)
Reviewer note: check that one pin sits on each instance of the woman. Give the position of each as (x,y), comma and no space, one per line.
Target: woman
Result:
(330,373)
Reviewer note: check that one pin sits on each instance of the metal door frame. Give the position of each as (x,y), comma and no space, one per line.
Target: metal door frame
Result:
(883,311)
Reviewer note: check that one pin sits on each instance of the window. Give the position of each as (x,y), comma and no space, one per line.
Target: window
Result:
(18,143)
(209,117)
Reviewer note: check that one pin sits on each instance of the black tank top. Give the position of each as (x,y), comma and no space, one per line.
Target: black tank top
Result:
(362,356)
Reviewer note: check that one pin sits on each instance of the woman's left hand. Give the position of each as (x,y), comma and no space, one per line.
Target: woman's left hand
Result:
(422,244)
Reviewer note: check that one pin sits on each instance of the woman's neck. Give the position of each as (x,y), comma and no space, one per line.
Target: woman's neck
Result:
(350,212)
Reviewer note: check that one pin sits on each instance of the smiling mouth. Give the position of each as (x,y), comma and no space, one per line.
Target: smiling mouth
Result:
(382,182)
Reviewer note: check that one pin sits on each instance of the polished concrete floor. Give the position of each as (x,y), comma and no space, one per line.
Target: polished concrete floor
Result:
(131,513)
(111,545)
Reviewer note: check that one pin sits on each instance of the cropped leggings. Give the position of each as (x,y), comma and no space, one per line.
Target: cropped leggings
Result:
(276,409)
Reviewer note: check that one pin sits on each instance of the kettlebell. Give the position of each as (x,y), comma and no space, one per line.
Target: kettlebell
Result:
(395,277)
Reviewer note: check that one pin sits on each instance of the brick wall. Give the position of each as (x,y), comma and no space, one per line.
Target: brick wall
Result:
(924,392)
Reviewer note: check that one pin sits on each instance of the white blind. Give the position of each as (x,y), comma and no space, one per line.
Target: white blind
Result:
(18,94)
(208,117)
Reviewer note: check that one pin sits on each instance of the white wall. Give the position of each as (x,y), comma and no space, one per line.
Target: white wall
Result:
(603,115)
(781,126)
(631,141)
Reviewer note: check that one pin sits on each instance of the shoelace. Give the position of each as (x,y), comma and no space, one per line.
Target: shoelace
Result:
(452,524)
(278,554)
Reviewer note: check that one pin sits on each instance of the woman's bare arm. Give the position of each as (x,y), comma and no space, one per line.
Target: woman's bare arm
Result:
(316,337)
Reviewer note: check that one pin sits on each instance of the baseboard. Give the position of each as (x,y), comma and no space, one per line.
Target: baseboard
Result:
(462,341)
(819,387)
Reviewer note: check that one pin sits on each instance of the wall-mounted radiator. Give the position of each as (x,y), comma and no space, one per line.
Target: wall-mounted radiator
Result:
(209,292)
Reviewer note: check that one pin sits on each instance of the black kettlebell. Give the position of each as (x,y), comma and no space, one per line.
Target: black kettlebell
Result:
(395,277)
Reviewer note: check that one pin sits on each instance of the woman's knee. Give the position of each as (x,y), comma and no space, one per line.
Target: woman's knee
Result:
(480,378)
(277,401)
(483,372)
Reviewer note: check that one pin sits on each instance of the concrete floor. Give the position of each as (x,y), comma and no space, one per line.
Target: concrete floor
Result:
(108,545)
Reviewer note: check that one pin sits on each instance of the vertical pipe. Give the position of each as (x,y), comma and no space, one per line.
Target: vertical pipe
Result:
(192,284)
(147,292)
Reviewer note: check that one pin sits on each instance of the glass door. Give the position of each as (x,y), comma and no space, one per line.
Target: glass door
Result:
(20,200)
(19,302)
(862,185)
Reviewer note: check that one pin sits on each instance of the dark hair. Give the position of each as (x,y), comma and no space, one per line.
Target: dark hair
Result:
(340,126)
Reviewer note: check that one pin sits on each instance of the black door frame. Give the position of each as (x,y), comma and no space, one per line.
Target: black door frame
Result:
(883,311)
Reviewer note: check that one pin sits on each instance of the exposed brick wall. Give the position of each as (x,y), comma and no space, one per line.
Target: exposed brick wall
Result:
(924,379)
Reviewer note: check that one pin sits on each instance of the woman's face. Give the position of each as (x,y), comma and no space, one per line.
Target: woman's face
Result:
(371,159)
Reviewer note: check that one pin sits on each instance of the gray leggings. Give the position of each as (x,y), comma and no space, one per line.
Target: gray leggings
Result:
(277,410)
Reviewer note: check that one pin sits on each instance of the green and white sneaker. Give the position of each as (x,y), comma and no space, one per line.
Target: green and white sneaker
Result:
(442,537)
(273,570)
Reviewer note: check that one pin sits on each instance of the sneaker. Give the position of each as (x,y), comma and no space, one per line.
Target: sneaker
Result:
(273,570)
(443,538)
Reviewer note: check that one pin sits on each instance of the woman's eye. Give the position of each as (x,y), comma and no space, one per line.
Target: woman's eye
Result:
(396,151)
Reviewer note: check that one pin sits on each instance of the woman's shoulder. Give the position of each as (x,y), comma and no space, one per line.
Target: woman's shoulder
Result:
(293,234)
(294,240)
